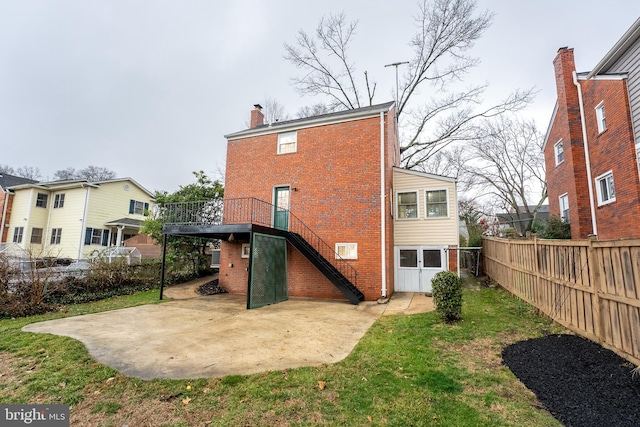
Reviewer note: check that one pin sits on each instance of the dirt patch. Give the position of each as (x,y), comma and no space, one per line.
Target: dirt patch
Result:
(577,380)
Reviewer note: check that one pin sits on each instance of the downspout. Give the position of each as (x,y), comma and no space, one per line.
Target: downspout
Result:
(84,223)
(455,190)
(383,205)
(586,155)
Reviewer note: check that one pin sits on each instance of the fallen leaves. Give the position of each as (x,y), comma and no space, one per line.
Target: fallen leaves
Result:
(322,385)
(186,400)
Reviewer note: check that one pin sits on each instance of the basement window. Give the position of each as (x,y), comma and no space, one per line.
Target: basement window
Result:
(347,250)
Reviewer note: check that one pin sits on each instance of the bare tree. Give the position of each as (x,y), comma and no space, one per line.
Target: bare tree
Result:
(29,172)
(505,163)
(273,111)
(446,31)
(313,110)
(90,173)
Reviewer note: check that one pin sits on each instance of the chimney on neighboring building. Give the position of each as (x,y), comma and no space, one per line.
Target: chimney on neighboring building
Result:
(257,117)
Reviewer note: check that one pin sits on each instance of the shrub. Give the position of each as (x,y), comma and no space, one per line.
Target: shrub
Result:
(555,228)
(447,295)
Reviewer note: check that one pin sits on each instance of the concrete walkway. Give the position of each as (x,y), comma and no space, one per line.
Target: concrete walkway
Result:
(213,336)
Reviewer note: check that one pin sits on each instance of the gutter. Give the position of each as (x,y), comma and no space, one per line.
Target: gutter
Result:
(587,160)
(383,210)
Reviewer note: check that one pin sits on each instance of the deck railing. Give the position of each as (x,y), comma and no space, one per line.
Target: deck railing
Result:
(250,210)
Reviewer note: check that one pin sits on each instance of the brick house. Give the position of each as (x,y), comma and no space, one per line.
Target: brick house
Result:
(591,150)
(310,210)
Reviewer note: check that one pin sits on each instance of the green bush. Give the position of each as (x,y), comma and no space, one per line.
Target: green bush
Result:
(447,295)
(555,228)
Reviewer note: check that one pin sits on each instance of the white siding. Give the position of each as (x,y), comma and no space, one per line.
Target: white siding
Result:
(425,231)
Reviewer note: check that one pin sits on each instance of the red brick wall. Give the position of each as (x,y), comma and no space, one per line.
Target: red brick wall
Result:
(569,176)
(613,150)
(8,199)
(336,171)
(234,273)
(452,251)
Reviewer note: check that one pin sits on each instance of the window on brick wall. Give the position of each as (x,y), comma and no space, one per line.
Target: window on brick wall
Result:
(601,118)
(558,149)
(564,207)
(246,250)
(347,250)
(287,142)
(605,189)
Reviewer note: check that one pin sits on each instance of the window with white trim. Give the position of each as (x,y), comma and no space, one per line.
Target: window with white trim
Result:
(347,250)
(137,207)
(564,207)
(605,189)
(56,236)
(407,205)
(58,201)
(601,118)
(246,250)
(17,234)
(558,149)
(436,203)
(287,142)
(638,157)
(41,200)
(36,236)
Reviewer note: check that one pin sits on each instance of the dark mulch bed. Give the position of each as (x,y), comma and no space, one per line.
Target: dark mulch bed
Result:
(211,288)
(577,380)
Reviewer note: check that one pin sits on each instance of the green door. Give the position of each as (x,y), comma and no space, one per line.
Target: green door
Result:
(281,208)
(268,276)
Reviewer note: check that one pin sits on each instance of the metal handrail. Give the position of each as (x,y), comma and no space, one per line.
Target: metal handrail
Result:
(254,211)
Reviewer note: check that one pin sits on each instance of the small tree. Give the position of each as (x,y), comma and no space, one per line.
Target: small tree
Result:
(555,228)
(447,295)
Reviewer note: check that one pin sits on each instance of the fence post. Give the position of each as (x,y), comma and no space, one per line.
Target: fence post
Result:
(595,270)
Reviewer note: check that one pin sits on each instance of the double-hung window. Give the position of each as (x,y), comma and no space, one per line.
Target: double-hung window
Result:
(407,205)
(564,207)
(287,142)
(137,207)
(17,234)
(56,236)
(58,201)
(558,149)
(41,200)
(436,203)
(601,118)
(605,189)
(36,236)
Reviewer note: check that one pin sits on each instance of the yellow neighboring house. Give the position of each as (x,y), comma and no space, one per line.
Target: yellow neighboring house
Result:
(76,218)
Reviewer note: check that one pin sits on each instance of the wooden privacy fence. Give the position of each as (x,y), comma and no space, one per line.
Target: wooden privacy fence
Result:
(589,286)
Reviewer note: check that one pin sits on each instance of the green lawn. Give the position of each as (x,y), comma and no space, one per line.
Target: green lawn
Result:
(406,371)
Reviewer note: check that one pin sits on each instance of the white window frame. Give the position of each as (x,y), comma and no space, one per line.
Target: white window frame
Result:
(18,234)
(601,117)
(41,200)
(58,201)
(426,203)
(565,197)
(605,177)
(246,250)
(138,207)
(558,150)
(96,236)
(404,218)
(287,142)
(36,235)
(56,236)
(350,250)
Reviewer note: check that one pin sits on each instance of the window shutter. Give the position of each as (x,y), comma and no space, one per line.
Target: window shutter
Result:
(87,236)
(146,209)
(132,206)
(105,237)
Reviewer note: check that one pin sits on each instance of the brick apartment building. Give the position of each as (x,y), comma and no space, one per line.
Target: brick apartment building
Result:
(591,148)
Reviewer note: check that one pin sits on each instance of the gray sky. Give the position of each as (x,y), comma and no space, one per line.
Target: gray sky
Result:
(148,88)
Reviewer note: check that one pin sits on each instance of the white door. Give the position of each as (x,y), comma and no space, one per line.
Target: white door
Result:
(416,266)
